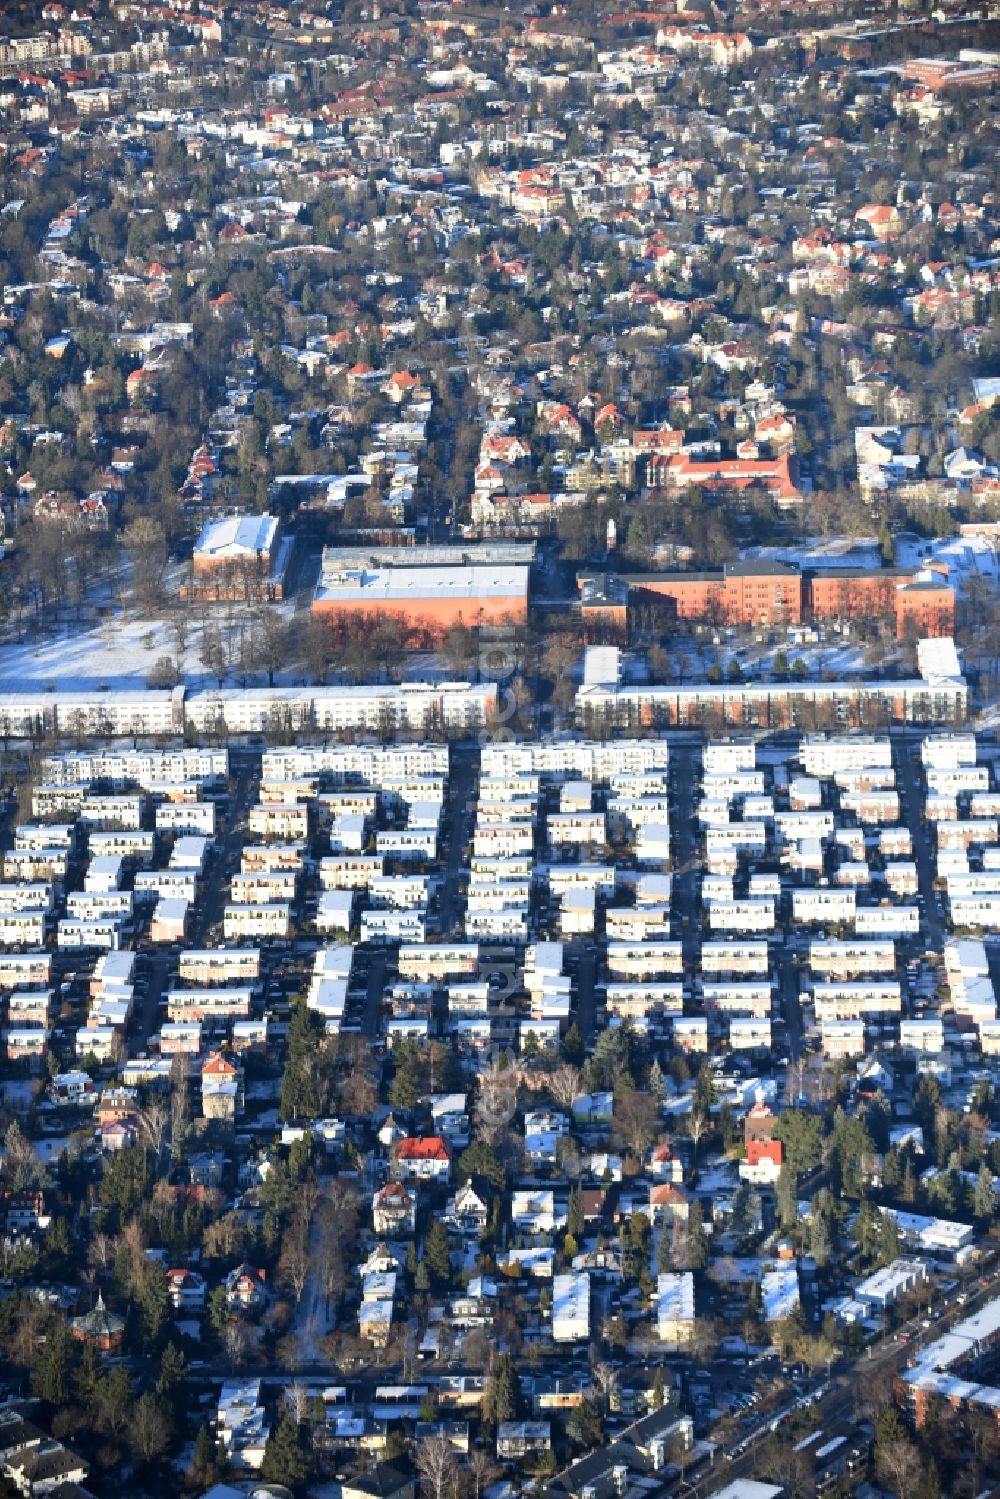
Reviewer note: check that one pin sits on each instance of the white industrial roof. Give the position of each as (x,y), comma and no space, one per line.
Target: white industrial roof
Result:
(409,583)
(937,658)
(601,665)
(237,536)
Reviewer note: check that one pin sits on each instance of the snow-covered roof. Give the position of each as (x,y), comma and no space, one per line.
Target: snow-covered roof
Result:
(237,536)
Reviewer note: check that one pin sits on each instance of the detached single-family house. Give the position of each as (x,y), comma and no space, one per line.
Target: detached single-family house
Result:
(187,1290)
(763,1163)
(668,1201)
(221,1088)
(245,1289)
(665,1164)
(381,1482)
(394,1209)
(422,1158)
(468,1211)
(533,1211)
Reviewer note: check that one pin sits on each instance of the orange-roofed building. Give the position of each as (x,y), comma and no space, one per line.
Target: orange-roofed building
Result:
(422,1158)
(668,1201)
(883,222)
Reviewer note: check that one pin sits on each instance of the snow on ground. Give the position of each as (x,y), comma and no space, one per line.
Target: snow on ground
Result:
(690,659)
(823,552)
(734,1269)
(312,1314)
(116,648)
(17,1095)
(718,1176)
(49,1149)
(966,557)
(426,666)
(119,652)
(989,718)
(116,653)
(840,660)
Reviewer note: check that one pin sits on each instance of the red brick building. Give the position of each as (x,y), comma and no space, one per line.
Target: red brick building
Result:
(854,593)
(925,608)
(430,599)
(604,603)
(102,1328)
(772,593)
(747,593)
(238,557)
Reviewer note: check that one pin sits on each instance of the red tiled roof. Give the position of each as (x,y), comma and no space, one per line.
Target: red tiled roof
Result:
(431,1148)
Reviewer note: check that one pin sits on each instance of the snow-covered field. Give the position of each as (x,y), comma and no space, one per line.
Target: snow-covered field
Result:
(822,552)
(120,652)
(116,654)
(690,659)
(966,557)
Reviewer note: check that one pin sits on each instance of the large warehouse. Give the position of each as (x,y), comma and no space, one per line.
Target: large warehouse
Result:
(431,589)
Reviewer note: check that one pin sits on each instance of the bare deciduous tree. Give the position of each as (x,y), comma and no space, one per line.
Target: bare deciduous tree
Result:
(180,625)
(101,1253)
(236,1340)
(154,1121)
(436,1464)
(899,1465)
(635,1121)
(272,643)
(566,1084)
(482,1470)
(134,1241)
(293,1265)
(330,1267)
(149,1429)
(225,1237)
(497,1101)
(299,1401)
(145,544)
(697,1128)
(477,1351)
(180,1110)
(605,1377)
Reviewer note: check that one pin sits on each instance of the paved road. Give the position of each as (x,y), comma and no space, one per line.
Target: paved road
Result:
(145,1019)
(303,575)
(462,772)
(226,859)
(788,992)
(685,766)
(312,1315)
(586,999)
(840,1398)
(372,1015)
(911,795)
